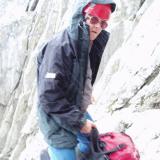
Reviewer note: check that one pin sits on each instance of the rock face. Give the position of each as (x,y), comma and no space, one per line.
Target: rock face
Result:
(127,89)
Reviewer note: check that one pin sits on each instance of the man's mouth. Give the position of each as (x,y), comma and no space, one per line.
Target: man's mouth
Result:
(94,32)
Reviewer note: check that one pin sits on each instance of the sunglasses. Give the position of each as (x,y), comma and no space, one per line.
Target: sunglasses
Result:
(96,20)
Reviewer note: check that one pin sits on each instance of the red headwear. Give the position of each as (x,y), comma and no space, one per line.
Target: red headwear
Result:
(103,11)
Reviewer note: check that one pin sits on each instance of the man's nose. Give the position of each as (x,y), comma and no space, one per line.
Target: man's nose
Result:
(98,25)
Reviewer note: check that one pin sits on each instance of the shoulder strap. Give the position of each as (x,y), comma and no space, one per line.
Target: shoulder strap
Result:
(97,146)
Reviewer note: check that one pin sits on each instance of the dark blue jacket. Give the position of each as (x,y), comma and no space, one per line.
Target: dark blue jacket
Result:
(60,115)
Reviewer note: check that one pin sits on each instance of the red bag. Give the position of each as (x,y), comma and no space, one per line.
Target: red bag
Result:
(113,146)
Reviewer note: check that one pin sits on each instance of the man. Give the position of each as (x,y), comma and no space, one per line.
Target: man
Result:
(67,69)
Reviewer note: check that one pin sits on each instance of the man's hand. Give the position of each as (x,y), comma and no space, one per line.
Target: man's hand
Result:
(87,127)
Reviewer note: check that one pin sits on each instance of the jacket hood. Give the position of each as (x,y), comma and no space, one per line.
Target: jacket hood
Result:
(78,8)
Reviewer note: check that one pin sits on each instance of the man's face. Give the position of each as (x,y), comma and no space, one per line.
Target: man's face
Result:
(95,26)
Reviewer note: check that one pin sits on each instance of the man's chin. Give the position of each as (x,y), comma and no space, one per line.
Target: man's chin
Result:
(93,38)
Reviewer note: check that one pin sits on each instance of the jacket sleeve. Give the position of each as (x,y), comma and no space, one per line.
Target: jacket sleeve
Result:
(53,79)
